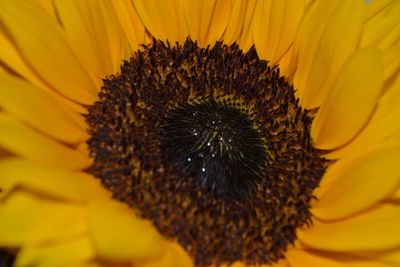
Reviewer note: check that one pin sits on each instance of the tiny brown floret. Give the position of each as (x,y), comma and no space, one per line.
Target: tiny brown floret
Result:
(209,144)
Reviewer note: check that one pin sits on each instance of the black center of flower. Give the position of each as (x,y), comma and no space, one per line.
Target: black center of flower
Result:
(215,144)
(211,145)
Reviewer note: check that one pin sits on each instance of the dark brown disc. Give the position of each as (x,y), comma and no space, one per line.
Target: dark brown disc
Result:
(209,144)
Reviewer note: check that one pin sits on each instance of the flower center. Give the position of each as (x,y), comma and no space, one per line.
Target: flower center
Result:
(211,145)
(216,144)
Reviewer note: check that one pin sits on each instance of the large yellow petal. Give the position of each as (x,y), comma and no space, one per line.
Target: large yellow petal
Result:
(376,6)
(47,6)
(119,235)
(13,60)
(29,220)
(50,181)
(375,229)
(27,143)
(49,54)
(207,20)
(351,100)
(329,35)
(302,258)
(130,23)
(164,19)
(79,36)
(173,255)
(355,184)
(381,127)
(274,27)
(391,61)
(68,253)
(383,29)
(104,36)
(236,22)
(36,108)
(245,40)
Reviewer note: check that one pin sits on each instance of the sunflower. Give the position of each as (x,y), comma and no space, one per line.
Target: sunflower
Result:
(199,133)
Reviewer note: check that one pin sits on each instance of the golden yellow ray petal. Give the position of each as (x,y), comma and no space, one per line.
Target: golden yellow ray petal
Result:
(329,35)
(306,43)
(28,220)
(50,55)
(393,258)
(388,103)
(47,6)
(388,257)
(163,19)
(36,108)
(130,23)
(287,64)
(377,132)
(51,181)
(391,61)
(383,29)
(67,253)
(95,264)
(13,60)
(236,22)
(113,225)
(351,100)
(355,184)
(246,36)
(173,255)
(274,27)
(302,258)
(207,20)
(396,194)
(376,6)
(104,31)
(369,231)
(79,36)
(383,125)
(27,143)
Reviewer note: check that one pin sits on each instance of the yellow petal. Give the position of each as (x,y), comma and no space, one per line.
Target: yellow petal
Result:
(130,23)
(39,110)
(67,253)
(10,56)
(383,29)
(355,184)
(329,35)
(236,22)
(274,27)
(47,6)
(27,143)
(302,258)
(375,229)
(51,181)
(396,194)
(163,19)
(382,126)
(119,235)
(78,34)
(173,255)
(351,101)
(207,20)
(13,61)
(28,220)
(104,34)
(49,54)
(376,6)
(391,61)
(245,40)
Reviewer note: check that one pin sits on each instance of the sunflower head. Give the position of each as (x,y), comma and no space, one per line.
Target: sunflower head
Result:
(199,133)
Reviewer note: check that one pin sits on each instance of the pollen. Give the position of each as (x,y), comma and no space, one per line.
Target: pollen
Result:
(211,145)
